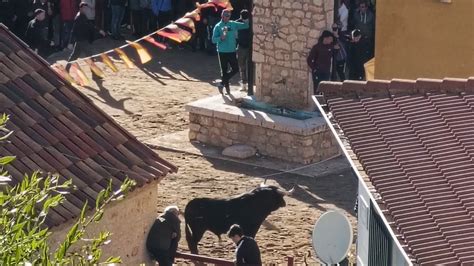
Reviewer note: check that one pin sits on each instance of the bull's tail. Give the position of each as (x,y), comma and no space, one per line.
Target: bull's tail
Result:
(192,242)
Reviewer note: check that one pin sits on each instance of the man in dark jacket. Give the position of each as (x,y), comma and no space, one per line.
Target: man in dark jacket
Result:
(244,41)
(247,251)
(84,33)
(7,13)
(320,58)
(36,35)
(163,238)
(23,14)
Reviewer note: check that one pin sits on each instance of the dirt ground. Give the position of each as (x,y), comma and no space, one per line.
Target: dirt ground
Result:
(149,102)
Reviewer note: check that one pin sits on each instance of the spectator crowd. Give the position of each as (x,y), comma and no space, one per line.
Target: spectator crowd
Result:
(47,25)
(341,52)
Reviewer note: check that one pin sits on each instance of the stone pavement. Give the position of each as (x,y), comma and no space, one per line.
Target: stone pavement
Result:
(179,142)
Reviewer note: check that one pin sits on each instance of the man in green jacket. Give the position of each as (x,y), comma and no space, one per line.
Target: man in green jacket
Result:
(225,38)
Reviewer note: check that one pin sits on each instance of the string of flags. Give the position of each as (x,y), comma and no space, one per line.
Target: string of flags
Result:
(179,31)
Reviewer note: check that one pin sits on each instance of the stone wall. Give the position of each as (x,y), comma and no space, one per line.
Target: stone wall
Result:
(134,215)
(284,32)
(301,148)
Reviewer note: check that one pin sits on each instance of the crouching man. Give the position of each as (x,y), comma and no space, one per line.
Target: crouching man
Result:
(164,235)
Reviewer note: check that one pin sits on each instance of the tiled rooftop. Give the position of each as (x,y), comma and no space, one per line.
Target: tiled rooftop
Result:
(415,142)
(59,130)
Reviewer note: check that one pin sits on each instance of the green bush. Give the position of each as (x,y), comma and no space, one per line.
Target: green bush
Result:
(24,207)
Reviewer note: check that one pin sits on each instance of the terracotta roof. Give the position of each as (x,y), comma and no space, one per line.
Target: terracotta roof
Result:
(59,130)
(415,142)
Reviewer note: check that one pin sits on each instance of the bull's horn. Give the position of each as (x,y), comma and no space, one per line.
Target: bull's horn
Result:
(290,192)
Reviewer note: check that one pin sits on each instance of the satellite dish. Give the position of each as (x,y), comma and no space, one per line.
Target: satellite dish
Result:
(332,237)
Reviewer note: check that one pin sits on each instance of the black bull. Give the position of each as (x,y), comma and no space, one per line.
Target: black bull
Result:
(248,210)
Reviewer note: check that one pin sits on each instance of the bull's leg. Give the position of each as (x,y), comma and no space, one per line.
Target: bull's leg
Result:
(193,236)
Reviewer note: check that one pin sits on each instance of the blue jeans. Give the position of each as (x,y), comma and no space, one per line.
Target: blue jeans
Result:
(118,13)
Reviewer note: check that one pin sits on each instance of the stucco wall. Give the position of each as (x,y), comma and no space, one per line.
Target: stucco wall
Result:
(424,38)
(284,32)
(363,235)
(129,221)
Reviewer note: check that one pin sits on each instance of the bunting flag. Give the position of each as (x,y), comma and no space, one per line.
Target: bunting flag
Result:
(207,5)
(222,3)
(106,60)
(179,31)
(186,22)
(143,54)
(63,73)
(175,33)
(124,57)
(194,15)
(155,43)
(79,75)
(94,68)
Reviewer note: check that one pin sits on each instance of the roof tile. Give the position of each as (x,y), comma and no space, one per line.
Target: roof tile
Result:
(59,130)
(416,147)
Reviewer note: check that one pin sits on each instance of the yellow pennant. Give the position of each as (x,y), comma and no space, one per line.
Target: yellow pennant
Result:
(145,57)
(106,60)
(222,3)
(63,73)
(186,22)
(81,78)
(194,15)
(175,33)
(94,68)
(124,57)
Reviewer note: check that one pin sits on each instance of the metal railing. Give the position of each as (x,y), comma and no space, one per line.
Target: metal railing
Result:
(210,260)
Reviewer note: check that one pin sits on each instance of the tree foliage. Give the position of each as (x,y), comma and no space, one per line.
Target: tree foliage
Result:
(24,209)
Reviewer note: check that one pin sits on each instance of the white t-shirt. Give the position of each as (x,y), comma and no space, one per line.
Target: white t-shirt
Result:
(343,16)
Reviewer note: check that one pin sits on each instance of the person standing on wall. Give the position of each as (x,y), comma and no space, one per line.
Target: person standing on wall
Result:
(359,55)
(243,49)
(364,20)
(163,238)
(320,59)
(340,55)
(36,34)
(247,251)
(225,37)
(84,34)
(118,12)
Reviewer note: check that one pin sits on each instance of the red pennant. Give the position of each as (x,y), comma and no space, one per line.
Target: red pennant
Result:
(155,43)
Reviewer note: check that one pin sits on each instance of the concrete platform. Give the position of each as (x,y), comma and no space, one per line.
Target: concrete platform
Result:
(217,121)
(179,142)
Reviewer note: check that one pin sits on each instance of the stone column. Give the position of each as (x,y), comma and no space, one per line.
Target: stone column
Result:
(284,32)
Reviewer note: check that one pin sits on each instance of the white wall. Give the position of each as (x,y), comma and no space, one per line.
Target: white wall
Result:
(363,226)
(363,221)
(129,221)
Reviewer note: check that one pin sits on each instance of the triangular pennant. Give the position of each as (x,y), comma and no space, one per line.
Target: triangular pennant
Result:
(106,60)
(207,5)
(155,43)
(222,3)
(186,22)
(124,57)
(80,77)
(145,57)
(170,35)
(94,68)
(175,33)
(194,15)
(63,73)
